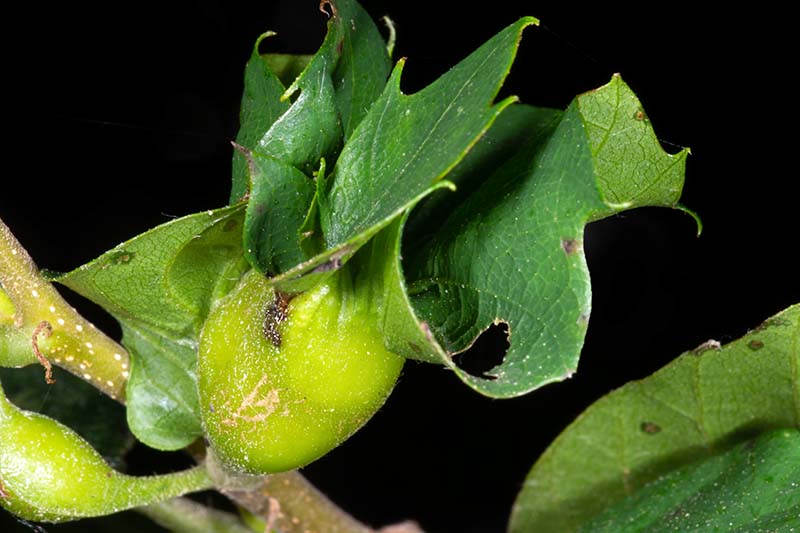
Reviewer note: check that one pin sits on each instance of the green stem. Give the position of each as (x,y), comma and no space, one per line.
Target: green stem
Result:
(182,515)
(157,488)
(57,333)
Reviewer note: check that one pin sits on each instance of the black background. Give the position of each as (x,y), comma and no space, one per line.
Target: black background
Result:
(119,116)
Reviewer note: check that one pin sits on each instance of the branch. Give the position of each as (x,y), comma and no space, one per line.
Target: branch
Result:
(288,503)
(74,344)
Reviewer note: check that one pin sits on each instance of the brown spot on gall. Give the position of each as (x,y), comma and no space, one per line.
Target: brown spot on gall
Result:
(274,315)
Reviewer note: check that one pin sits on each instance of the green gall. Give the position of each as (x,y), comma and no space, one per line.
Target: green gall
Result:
(49,473)
(283,381)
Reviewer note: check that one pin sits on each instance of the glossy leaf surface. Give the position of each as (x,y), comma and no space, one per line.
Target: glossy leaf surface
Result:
(697,406)
(510,252)
(752,487)
(401,152)
(406,143)
(332,94)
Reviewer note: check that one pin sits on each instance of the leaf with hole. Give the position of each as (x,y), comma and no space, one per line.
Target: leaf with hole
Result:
(508,250)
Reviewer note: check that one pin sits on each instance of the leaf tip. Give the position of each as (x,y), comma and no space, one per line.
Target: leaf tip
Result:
(697,220)
(392,37)
(260,39)
(397,72)
(449,185)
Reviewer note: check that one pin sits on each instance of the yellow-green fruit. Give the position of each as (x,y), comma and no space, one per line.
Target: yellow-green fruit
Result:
(282,383)
(49,473)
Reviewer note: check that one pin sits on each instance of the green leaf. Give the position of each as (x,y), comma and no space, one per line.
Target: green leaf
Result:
(400,152)
(397,155)
(163,405)
(337,87)
(160,286)
(207,266)
(261,106)
(510,252)
(276,211)
(752,487)
(287,67)
(405,144)
(309,273)
(73,402)
(515,127)
(379,262)
(141,279)
(364,65)
(310,129)
(700,404)
(630,168)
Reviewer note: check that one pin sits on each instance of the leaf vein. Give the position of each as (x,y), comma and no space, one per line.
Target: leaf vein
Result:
(379,201)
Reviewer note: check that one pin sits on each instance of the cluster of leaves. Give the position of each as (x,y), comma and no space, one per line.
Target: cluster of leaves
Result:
(328,170)
(487,202)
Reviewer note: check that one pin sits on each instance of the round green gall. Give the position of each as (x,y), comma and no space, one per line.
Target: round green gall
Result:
(283,381)
(48,473)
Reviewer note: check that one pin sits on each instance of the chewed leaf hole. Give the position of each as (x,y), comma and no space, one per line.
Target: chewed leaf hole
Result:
(487,352)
